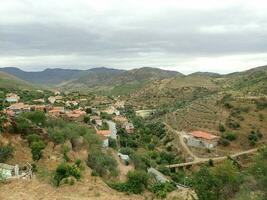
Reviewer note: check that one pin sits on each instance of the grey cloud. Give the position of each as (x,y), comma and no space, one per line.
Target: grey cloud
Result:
(114,36)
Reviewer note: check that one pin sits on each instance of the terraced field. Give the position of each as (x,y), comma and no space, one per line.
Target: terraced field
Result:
(201,114)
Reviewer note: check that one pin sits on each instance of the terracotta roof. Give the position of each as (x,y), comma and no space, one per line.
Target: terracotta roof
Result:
(204,135)
(103,132)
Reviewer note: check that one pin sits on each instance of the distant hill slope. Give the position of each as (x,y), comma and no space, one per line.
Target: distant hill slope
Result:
(10,81)
(173,92)
(118,81)
(58,76)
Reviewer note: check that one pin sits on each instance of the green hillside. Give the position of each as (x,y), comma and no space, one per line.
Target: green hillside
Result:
(12,82)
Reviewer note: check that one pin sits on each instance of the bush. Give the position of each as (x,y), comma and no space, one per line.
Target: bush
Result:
(36,149)
(22,125)
(57,135)
(221,128)
(103,164)
(253,138)
(136,182)
(112,143)
(230,136)
(37,117)
(86,119)
(224,142)
(64,171)
(6,152)
(162,189)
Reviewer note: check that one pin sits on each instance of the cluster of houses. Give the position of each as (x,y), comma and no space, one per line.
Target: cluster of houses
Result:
(77,114)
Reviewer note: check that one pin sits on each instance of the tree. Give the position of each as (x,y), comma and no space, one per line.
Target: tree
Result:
(37,148)
(219,182)
(64,171)
(88,110)
(86,119)
(37,117)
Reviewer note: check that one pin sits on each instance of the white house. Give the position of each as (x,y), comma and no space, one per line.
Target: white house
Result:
(12,98)
(7,171)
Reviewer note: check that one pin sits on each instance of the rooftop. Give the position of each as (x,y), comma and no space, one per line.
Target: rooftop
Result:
(204,135)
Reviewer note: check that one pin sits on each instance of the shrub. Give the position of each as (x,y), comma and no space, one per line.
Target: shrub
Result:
(112,143)
(224,142)
(6,152)
(22,125)
(64,171)
(253,137)
(162,189)
(136,182)
(231,136)
(37,117)
(86,119)
(233,124)
(36,149)
(103,164)
(221,128)
(57,135)
(33,138)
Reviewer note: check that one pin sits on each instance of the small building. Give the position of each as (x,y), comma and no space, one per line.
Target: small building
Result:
(56,111)
(71,103)
(57,93)
(19,108)
(105,133)
(8,171)
(202,139)
(53,99)
(119,104)
(129,127)
(12,98)
(39,100)
(120,119)
(39,107)
(112,110)
(76,114)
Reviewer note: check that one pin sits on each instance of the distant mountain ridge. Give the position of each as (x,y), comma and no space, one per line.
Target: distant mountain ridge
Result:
(55,76)
(72,78)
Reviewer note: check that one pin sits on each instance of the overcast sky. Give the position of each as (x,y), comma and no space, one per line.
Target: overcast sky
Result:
(187,36)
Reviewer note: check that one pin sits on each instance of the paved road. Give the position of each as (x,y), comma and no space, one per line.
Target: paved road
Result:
(113,129)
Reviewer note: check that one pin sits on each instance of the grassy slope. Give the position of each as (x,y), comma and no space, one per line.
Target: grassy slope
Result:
(10,81)
(193,102)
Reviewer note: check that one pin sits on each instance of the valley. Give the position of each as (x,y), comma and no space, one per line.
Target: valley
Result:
(94,134)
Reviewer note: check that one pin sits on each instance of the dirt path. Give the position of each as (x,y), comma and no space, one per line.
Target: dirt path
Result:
(124,169)
(215,159)
(182,142)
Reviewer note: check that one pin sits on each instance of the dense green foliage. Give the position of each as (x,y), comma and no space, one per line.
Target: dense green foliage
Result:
(102,163)
(136,183)
(65,170)
(220,182)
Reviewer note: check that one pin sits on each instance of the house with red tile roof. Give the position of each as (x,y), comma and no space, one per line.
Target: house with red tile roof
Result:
(202,139)
(105,133)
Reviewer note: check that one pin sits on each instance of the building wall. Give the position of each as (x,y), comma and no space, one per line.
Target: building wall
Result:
(195,142)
